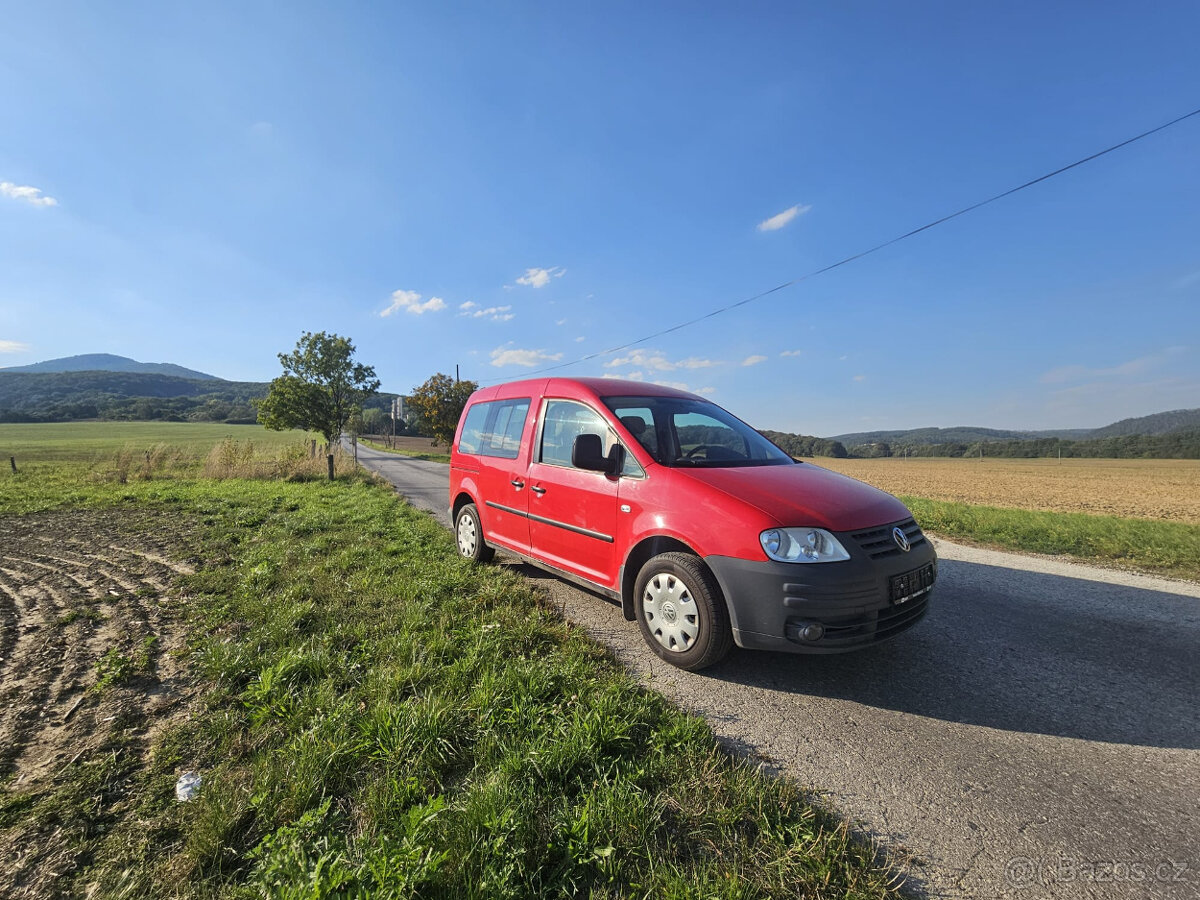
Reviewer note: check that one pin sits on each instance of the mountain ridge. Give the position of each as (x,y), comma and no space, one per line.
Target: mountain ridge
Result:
(1155,423)
(108,362)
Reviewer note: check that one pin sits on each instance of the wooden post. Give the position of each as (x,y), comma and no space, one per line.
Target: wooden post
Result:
(329,458)
(12,461)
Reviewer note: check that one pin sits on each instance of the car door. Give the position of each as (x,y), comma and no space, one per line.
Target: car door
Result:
(572,512)
(502,476)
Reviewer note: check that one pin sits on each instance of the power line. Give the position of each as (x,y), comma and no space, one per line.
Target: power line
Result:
(861,254)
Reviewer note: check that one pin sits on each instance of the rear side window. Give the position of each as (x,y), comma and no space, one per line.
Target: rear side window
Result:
(494,429)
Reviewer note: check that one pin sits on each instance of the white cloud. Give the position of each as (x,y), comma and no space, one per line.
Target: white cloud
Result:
(705,391)
(860,378)
(541,277)
(12,347)
(495,313)
(791,352)
(1063,374)
(410,301)
(650,359)
(25,192)
(561,322)
(779,220)
(678,385)
(504,356)
(754,360)
(1186,281)
(628,376)
(657,360)
(262,129)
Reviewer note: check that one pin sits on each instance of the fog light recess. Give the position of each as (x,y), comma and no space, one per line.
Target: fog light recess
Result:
(810,631)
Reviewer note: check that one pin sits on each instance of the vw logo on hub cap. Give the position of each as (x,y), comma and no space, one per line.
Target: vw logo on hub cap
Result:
(900,538)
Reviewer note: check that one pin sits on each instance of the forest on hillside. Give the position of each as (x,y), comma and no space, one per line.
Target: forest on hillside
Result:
(132,396)
(1182,444)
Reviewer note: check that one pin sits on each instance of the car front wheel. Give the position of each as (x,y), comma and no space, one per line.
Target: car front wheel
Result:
(681,611)
(468,534)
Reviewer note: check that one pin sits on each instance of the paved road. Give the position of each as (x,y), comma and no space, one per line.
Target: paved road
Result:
(1038,735)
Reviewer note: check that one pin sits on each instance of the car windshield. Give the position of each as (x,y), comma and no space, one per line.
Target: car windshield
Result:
(680,432)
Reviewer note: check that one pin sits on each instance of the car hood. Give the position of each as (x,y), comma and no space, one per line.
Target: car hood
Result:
(804,494)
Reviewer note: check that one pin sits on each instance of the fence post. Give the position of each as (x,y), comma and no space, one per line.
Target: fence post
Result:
(12,461)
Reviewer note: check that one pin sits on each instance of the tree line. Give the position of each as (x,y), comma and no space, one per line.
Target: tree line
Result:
(1183,444)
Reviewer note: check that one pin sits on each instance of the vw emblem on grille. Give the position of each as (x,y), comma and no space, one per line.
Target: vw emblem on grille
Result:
(901,539)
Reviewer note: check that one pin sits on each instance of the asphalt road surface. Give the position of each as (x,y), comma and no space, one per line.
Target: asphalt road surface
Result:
(1037,735)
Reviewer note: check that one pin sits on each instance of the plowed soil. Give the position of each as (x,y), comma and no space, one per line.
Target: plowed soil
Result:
(1163,489)
(83,593)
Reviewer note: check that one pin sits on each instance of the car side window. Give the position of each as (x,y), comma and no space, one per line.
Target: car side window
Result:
(639,421)
(566,420)
(494,428)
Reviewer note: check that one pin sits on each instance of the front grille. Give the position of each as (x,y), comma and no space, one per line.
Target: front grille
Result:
(849,632)
(878,543)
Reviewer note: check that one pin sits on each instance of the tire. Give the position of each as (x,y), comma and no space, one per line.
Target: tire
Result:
(681,611)
(468,535)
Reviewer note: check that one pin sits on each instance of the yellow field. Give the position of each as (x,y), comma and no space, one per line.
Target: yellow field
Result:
(1163,489)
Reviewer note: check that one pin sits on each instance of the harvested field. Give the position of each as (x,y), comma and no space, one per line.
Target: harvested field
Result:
(1160,489)
(89,621)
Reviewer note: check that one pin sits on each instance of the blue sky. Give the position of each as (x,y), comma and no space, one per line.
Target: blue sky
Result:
(507,186)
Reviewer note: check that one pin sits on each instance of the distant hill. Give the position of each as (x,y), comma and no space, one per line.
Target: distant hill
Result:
(67,396)
(1159,423)
(141,396)
(964,434)
(107,362)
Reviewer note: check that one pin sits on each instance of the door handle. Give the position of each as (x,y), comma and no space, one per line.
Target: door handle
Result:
(538,490)
(517,483)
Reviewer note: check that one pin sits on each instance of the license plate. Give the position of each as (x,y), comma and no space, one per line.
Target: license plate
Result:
(913,584)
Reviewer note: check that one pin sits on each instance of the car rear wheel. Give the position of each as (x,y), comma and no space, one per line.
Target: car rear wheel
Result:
(681,611)
(468,534)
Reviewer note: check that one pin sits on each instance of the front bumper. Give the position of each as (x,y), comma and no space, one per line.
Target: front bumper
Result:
(774,606)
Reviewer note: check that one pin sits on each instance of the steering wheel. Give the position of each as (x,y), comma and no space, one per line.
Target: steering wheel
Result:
(705,447)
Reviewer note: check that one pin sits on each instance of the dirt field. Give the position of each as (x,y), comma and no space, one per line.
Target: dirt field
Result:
(88,623)
(1137,488)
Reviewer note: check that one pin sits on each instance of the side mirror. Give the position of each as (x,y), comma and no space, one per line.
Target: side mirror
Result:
(588,453)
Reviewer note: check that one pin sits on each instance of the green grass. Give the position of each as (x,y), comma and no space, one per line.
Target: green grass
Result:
(115,668)
(380,718)
(1168,548)
(85,441)
(415,454)
(61,463)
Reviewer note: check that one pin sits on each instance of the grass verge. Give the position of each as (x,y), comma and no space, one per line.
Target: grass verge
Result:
(1166,548)
(380,718)
(401,451)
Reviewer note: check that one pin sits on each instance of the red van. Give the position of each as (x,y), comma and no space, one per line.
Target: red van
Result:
(705,532)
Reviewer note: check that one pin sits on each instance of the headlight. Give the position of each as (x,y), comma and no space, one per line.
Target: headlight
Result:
(802,545)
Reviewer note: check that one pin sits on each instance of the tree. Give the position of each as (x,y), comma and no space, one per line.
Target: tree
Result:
(439,402)
(320,389)
(372,421)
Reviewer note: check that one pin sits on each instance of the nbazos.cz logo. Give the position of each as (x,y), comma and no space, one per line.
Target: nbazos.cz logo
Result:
(1026,871)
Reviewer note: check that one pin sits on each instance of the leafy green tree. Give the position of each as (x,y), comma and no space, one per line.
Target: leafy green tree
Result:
(320,389)
(439,402)
(373,421)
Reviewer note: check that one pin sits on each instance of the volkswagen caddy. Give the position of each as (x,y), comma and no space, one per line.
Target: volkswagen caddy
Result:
(703,530)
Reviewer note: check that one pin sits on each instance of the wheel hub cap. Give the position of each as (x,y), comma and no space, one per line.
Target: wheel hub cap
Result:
(671,612)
